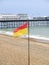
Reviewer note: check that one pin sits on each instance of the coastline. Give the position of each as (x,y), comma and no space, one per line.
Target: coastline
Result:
(35,37)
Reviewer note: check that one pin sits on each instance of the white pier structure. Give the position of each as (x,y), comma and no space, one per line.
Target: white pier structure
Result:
(12,21)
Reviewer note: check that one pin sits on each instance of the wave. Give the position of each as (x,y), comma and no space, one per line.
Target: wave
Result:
(36,37)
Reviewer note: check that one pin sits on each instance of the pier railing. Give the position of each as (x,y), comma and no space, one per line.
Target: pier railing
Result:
(15,23)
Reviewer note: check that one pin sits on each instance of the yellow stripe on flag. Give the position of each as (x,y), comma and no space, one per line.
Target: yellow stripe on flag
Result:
(21,32)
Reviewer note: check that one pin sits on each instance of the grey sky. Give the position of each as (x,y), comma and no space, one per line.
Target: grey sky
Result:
(31,7)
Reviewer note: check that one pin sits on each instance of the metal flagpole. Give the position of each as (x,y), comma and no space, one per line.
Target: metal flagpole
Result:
(28,46)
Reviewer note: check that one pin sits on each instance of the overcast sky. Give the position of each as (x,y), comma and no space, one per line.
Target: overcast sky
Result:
(31,7)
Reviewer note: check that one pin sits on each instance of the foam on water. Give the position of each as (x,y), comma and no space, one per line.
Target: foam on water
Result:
(36,37)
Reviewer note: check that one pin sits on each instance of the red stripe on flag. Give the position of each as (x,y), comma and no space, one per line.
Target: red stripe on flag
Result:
(25,25)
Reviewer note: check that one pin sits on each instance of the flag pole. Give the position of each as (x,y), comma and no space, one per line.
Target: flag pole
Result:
(28,46)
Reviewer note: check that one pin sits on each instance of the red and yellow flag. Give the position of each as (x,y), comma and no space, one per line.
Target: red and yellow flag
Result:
(21,30)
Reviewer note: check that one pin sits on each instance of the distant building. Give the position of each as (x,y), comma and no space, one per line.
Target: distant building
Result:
(16,23)
(13,17)
(22,16)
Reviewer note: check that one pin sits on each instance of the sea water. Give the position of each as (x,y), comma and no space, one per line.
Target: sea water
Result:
(42,31)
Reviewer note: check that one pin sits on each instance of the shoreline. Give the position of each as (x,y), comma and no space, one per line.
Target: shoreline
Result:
(35,37)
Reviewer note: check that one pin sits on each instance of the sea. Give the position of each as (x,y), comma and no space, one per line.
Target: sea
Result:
(42,31)
(37,28)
